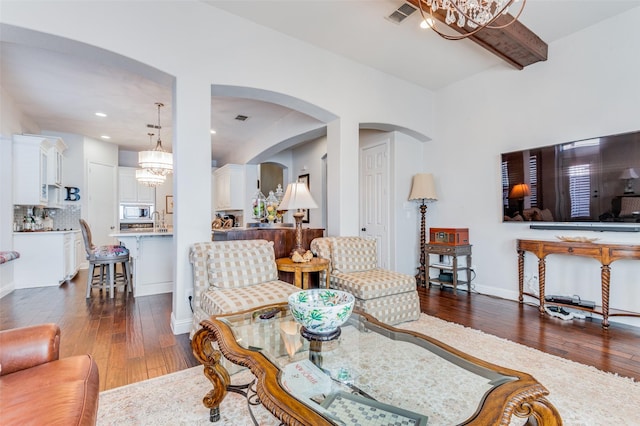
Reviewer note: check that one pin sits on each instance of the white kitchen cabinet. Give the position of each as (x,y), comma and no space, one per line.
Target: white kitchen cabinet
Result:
(229,188)
(131,191)
(55,197)
(46,258)
(55,164)
(81,256)
(55,158)
(30,163)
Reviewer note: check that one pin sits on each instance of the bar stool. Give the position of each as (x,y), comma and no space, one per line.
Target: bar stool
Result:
(106,257)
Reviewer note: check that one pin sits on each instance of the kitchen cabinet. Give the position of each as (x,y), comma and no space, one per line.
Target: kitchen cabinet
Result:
(46,258)
(55,164)
(81,256)
(131,191)
(229,183)
(30,163)
(55,158)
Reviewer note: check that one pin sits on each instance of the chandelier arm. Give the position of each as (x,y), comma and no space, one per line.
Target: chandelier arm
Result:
(454,3)
(470,33)
(453,37)
(515,18)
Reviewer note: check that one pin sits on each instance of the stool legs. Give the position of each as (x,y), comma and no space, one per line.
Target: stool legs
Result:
(90,278)
(112,277)
(109,277)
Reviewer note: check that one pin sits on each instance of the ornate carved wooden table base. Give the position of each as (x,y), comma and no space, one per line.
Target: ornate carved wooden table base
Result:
(510,392)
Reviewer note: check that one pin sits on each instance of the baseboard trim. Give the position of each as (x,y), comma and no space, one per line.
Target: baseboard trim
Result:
(180,326)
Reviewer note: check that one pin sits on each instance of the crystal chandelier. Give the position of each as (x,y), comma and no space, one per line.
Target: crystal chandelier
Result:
(146,177)
(157,160)
(475,15)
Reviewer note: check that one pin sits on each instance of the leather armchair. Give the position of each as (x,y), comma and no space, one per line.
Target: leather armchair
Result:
(38,388)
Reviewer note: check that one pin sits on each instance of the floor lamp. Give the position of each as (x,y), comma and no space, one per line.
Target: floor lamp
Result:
(423,189)
(297,197)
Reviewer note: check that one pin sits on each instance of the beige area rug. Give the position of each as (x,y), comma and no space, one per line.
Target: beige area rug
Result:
(583,395)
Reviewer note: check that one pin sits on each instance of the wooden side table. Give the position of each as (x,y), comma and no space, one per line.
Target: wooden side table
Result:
(453,251)
(301,270)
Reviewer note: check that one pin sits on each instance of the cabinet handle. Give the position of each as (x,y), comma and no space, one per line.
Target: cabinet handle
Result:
(570,249)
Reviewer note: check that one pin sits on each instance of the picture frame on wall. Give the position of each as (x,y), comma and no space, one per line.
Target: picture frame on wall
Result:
(305,179)
(169,204)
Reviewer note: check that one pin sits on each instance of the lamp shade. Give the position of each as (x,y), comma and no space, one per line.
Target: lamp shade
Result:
(629,174)
(423,188)
(297,196)
(156,161)
(520,190)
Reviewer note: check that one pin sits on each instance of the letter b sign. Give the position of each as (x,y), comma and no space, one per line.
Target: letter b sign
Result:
(73,193)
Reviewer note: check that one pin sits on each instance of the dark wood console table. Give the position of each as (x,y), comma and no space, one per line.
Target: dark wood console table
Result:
(604,253)
(284,240)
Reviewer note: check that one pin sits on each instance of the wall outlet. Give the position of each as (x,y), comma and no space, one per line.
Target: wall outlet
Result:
(188,293)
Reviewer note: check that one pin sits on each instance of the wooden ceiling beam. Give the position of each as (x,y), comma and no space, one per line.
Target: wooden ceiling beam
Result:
(515,44)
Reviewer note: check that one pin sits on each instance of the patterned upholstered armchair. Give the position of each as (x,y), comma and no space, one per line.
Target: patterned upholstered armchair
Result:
(233,276)
(389,296)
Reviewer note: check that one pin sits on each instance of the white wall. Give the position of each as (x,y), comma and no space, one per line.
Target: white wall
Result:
(407,153)
(12,121)
(307,159)
(588,87)
(199,55)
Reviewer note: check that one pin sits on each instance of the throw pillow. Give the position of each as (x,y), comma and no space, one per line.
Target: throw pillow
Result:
(242,268)
(629,206)
(353,254)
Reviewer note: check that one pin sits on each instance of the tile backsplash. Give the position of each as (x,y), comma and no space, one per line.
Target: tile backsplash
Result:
(65,218)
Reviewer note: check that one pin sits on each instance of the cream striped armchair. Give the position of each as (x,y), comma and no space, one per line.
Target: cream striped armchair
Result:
(233,276)
(391,297)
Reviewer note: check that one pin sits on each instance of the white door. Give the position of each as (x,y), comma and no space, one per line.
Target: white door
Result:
(374,198)
(101,202)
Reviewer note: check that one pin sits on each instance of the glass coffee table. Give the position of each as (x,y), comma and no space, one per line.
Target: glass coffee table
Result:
(372,374)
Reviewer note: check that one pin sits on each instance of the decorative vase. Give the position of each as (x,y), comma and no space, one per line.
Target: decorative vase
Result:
(258,205)
(271,207)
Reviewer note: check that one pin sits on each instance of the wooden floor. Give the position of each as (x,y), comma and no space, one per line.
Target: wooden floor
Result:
(131,338)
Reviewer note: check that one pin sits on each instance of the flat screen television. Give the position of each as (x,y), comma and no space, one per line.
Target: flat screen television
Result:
(593,181)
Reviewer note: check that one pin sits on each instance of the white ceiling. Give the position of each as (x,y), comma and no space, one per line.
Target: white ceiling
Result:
(55,96)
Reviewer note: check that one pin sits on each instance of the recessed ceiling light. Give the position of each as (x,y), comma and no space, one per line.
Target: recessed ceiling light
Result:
(105,137)
(213,132)
(101,114)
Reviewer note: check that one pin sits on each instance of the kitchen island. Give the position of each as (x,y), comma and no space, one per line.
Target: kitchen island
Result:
(152,260)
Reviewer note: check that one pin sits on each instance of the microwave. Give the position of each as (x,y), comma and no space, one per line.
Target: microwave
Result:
(136,212)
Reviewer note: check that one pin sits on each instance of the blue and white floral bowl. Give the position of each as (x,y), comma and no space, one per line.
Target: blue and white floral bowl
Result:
(321,310)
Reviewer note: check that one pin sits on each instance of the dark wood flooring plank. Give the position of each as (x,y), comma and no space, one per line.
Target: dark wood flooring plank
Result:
(131,338)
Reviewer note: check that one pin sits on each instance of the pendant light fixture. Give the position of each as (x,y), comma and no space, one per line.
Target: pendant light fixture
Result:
(146,177)
(157,160)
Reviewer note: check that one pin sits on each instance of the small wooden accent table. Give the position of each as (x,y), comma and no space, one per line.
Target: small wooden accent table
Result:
(605,253)
(301,269)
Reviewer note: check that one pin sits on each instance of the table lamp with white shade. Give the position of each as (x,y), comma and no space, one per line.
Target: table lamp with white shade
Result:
(297,197)
(628,175)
